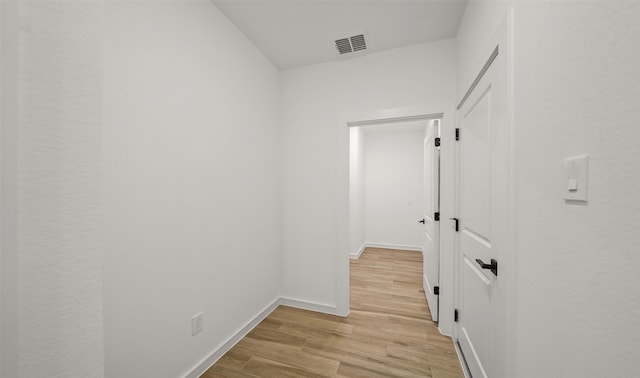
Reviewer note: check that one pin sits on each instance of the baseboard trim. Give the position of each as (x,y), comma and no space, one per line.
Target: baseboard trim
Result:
(217,353)
(425,285)
(206,363)
(311,306)
(395,246)
(356,256)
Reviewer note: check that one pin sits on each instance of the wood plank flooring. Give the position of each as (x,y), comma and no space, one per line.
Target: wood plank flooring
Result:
(389,332)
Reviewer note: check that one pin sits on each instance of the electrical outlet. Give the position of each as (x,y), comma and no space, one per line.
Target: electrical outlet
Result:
(197,323)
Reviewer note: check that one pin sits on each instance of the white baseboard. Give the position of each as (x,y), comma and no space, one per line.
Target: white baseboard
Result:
(205,364)
(357,254)
(311,306)
(395,246)
(425,284)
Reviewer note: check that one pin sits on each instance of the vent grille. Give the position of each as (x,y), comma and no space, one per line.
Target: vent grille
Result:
(344,46)
(358,43)
(351,44)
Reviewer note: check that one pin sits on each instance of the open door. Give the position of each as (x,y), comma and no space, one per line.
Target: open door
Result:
(431,217)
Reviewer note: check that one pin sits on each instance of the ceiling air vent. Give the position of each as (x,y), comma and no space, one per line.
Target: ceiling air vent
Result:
(351,44)
(344,46)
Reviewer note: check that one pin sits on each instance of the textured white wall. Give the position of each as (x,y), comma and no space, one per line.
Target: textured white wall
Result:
(59,202)
(356,190)
(480,20)
(314,98)
(578,84)
(9,325)
(394,178)
(576,78)
(191,184)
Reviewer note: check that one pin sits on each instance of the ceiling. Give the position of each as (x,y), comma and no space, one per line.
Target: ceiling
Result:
(295,33)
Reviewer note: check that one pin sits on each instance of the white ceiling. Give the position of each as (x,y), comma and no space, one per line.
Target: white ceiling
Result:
(295,33)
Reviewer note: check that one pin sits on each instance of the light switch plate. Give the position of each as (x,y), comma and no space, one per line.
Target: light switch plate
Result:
(197,323)
(576,178)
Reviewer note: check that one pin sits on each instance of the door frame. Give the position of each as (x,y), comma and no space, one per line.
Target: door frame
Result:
(443,111)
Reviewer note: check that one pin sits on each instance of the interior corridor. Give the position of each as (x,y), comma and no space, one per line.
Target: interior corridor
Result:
(389,332)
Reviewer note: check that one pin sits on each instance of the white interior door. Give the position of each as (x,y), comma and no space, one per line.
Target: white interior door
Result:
(482,192)
(431,203)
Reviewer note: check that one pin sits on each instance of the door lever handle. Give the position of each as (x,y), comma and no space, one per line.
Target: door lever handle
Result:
(493,266)
(421,221)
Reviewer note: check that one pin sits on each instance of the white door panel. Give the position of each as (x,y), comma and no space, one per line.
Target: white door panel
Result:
(476,172)
(431,243)
(475,328)
(482,194)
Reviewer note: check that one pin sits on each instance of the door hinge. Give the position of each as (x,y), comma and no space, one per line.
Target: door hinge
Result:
(437,142)
(436,216)
(436,290)
(457,134)
(455,315)
(457,223)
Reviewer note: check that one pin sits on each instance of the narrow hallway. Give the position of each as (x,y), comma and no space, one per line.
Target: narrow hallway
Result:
(389,332)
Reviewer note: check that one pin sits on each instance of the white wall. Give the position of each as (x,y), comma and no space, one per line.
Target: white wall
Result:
(162,204)
(314,100)
(480,20)
(394,177)
(51,253)
(9,342)
(356,191)
(162,199)
(191,184)
(576,78)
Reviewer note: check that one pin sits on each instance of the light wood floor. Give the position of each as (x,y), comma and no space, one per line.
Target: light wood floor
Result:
(389,332)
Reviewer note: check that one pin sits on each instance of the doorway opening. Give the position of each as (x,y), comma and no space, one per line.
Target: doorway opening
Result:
(394,191)
(394,194)
(349,244)
(386,186)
